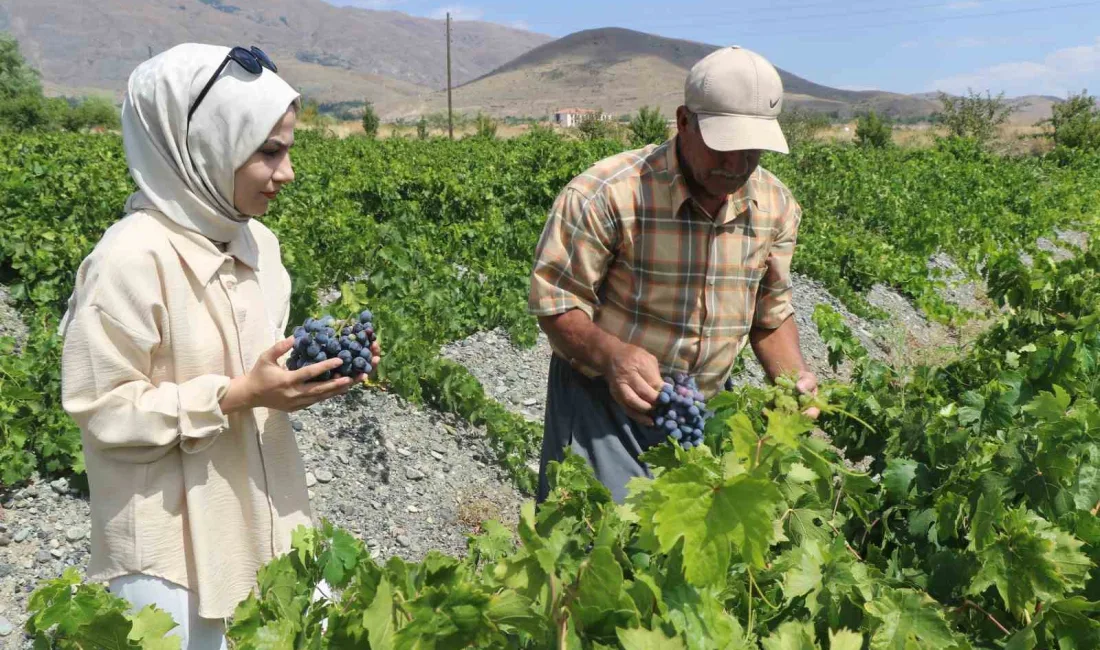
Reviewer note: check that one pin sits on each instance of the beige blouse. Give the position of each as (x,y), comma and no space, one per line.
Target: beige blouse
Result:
(160,322)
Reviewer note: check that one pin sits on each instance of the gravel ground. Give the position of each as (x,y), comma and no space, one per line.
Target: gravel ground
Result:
(959,290)
(403,479)
(10,323)
(408,480)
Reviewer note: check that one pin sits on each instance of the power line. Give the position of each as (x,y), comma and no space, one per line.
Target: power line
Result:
(745,19)
(925,21)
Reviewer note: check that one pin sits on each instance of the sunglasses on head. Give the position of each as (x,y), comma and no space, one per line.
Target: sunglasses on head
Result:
(253,61)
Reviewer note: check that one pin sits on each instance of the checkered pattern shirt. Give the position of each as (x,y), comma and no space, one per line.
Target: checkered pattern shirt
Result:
(627,244)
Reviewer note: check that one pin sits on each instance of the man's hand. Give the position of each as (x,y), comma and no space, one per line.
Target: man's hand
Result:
(807,385)
(634,377)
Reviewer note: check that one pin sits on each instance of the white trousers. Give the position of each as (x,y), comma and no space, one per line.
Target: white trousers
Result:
(195,633)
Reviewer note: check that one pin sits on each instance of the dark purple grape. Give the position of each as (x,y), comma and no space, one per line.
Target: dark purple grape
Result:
(313,350)
(366,317)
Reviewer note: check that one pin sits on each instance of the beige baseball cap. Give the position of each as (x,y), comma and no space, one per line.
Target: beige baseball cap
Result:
(738,96)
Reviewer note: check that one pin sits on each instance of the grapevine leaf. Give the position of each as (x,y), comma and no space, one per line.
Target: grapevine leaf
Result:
(699,617)
(340,559)
(744,510)
(601,604)
(378,618)
(805,574)
(785,427)
(510,609)
(643,639)
(1049,407)
(1074,623)
(1087,491)
(987,514)
(149,627)
(111,631)
(898,476)
(275,635)
(908,619)
(1030,560)
(792,635)
(845,640)
(493,543)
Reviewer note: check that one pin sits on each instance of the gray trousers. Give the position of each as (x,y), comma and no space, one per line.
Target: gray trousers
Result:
(582,415)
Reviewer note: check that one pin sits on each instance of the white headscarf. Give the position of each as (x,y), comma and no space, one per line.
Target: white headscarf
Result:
(187,173)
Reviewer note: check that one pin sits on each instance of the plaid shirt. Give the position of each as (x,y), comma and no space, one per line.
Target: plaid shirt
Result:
(627,244)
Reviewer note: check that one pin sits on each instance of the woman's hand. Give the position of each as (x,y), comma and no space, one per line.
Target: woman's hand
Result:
(272,386)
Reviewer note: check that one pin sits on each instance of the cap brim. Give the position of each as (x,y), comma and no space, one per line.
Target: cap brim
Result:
(738,132)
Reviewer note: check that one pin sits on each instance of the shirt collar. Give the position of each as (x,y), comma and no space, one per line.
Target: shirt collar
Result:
(201,255)
(736,203)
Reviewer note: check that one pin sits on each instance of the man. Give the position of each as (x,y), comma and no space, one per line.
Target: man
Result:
(666,259)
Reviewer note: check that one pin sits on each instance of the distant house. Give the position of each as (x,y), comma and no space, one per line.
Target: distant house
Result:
(568,117)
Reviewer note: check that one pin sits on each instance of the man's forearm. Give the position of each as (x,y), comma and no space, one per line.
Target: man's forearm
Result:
(778,350)
(576,335)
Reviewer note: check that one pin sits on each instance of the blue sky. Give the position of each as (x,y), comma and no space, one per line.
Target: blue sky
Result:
(1016,46)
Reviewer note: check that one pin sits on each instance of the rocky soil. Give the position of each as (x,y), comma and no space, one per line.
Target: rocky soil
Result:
(406,479)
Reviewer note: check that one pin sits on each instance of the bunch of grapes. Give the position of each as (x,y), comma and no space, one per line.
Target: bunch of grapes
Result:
(680,411)
(318,340)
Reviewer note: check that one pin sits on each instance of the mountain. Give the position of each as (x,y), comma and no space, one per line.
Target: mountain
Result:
(619,70)
(332,53)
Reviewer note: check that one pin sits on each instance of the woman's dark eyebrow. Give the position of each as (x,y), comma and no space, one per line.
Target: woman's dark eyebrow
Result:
(278,143)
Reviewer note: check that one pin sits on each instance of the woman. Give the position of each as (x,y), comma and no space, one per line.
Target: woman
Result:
(173,341)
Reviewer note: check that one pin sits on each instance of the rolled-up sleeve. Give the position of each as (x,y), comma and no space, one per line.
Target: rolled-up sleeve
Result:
(774,300)
(573,254)
(106,368)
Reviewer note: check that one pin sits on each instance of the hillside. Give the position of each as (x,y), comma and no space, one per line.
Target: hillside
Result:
(619,70)
(333,53)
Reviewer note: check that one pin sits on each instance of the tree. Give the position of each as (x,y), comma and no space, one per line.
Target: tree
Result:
(486,127)
(1076,123)
(591,127)
(973,116)
(370,120)
(90,113)
(16,77)
(648,127)
(873,131)
(422,128)
(800,125)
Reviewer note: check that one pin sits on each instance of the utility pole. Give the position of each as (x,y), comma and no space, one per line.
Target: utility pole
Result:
(450,118)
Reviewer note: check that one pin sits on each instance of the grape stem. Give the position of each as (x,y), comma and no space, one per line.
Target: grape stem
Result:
(969,604)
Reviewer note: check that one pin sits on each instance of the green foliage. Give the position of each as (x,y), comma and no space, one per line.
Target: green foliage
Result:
(974,116)
(976,526)
(68,615)
(93,112)
(17,79)
(486,127)
(969,537)
(24,108)
(873,131)
(800,126)
(370,120)
(593,127)
(1075,123)
(648,127)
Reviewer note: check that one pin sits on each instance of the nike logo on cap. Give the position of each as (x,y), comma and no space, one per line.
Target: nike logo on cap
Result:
(774,102)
